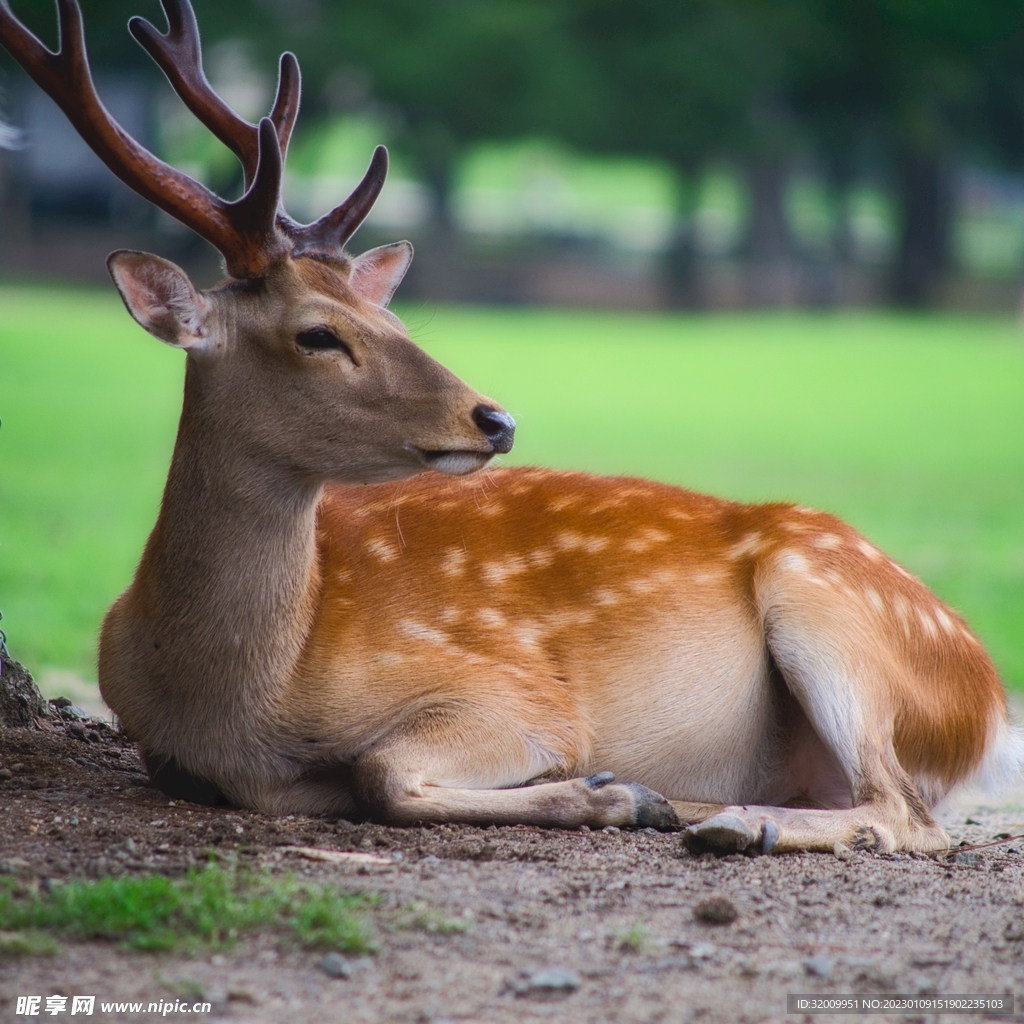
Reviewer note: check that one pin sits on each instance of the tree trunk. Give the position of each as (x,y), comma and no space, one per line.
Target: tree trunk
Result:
(679,278)
(926,197)
(437,272)
(768,240)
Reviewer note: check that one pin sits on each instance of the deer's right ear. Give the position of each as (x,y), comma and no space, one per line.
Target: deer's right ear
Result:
(161,298)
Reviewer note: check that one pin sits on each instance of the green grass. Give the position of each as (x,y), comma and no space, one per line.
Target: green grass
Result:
(911,427)
(212,907)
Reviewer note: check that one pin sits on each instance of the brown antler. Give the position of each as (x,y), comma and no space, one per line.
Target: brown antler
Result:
(179,55)
(251,233)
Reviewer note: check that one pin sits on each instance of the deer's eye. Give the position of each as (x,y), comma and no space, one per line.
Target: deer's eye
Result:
(322,339)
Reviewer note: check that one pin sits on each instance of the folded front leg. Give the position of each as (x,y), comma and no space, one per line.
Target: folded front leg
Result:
(458,765)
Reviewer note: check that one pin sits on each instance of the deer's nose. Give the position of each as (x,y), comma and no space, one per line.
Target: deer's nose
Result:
(498,427)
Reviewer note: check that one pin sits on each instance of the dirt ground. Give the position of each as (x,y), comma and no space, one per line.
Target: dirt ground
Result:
(487,926)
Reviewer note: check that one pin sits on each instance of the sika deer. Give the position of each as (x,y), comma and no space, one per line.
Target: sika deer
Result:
(478,650)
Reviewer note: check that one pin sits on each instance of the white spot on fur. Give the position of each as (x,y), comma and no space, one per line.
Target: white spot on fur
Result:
(868,550)
(381,550)
(498,572)
(646,540)
(608,504)
(927,622)
(804,510)
(541,558)
(572,541)
(900,570)
(679,515)
(873,599)
(528,634)
(827,541)
(562,502)
(644,585)
(946,624)
(711,576)
(832,576)
(418,631)
(454,562)
(491,618)
(605,597)
(491,509)
(390,658)
(450,616)
(748,545)
(792,561)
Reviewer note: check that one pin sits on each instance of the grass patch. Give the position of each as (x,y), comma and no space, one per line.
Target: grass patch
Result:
(211,906)
(421,917)
(907,426)
(633,940)
(27,943)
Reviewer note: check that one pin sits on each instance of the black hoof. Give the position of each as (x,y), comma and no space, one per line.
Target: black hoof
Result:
(652,809)
(769,836)
(723,833)
(599,780)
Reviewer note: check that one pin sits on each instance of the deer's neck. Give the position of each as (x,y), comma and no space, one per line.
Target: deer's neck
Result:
(224,597)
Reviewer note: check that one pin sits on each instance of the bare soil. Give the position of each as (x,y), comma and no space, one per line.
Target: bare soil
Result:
(471,922)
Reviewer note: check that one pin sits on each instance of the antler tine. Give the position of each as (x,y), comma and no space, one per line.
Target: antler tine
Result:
(334,229)
(251,215)
(249,246)
(286,105)
(178,53)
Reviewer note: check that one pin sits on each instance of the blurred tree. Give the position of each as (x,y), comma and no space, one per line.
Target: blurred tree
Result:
(909,85)
(918,85)
(690,82)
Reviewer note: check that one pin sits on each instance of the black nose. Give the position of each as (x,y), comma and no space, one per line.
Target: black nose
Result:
(498,427)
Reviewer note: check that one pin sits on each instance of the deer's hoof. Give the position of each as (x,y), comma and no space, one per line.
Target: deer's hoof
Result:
(723,833)
(652,809)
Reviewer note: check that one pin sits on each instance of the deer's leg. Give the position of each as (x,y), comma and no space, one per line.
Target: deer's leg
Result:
(467,765)
(692,813)
(842,732)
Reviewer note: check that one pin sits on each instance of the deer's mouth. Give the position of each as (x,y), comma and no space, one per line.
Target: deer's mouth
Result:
(455,462)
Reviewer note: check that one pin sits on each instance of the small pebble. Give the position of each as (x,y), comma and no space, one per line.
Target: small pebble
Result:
(966,857)
(716,910)
(611,829)
(819,966)
(549,983)
(335,965)
(6,773)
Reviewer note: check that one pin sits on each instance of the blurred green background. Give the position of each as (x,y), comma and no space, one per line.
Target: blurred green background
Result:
(908,426)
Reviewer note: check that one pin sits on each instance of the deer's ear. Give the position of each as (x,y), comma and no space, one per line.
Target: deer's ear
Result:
(377,273)
(161,298)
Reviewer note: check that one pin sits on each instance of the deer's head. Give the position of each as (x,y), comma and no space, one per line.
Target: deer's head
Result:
(296,353)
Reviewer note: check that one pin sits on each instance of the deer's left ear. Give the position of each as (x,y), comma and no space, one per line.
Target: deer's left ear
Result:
(377,273)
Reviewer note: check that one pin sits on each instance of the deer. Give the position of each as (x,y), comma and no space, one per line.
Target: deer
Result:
(336,614)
